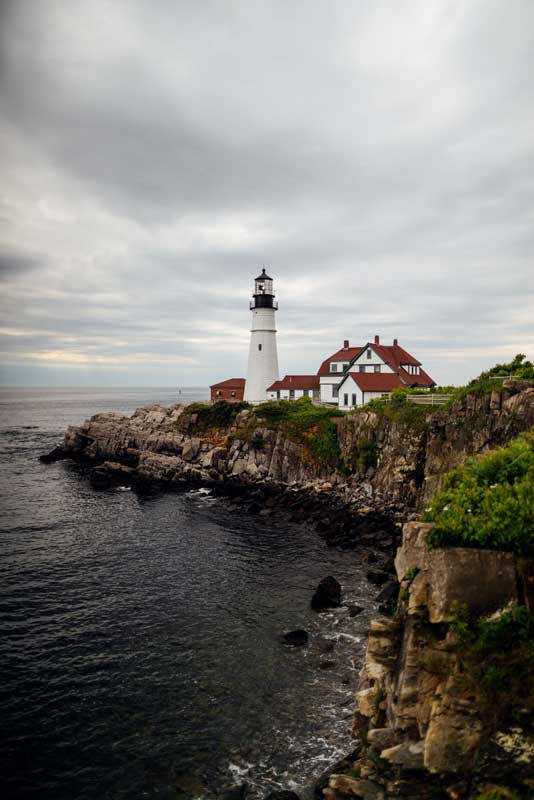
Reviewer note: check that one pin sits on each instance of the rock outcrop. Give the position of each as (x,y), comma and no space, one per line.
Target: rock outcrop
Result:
(383,461)
(419,720)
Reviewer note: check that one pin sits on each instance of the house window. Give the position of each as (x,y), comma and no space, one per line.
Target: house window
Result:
(353,399)
(333,367)
(369,354)
(233,394)
(335,391)
(345,399)
(362,367)
(377,367)
(278,394)
(219,393)
(291,394)
(306,393)
(259,347)
(345,367)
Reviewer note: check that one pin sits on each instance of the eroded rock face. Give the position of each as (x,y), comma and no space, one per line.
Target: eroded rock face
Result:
(414,708)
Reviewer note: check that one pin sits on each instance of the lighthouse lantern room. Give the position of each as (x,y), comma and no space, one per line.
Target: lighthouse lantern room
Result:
(262,368)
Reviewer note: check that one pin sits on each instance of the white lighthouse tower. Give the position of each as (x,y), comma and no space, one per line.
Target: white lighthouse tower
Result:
(262,368)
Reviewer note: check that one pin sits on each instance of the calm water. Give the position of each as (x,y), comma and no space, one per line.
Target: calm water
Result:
(140,651)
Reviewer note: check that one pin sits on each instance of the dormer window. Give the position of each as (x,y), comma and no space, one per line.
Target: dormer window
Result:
(333,367)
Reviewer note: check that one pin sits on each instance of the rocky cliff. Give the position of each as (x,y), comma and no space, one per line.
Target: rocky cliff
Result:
(396,458)
(426,727)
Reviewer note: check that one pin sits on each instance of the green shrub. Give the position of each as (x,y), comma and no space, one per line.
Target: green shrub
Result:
(212,415)
(489,502)
(367,453)
(303,422)
(497,661)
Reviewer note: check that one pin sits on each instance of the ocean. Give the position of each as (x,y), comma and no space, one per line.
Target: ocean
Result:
(140,636)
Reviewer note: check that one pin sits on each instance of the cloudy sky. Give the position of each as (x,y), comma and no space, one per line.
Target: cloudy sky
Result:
(377,156)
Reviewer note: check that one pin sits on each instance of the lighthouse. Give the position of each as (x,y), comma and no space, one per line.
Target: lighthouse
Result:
(262,368)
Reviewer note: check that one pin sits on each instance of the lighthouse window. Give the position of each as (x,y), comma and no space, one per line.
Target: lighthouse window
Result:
(259,347)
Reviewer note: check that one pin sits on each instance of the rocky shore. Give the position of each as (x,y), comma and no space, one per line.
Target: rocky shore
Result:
(419,731)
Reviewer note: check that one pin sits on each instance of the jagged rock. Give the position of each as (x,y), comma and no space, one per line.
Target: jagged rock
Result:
(349,786)
(408,755)
(382,738)
(377,577)
(481,580)
(327,594)
(57,454)
(190,449)
(354,610)
(236,792)
(296,638)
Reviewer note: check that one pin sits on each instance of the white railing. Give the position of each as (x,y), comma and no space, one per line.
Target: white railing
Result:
(422,399)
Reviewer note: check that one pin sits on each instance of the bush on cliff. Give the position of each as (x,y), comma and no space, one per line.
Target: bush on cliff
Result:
(489,502)
(497,661)
(305,423)
(211,415)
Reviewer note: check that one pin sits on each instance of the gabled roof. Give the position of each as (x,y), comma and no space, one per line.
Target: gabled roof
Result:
(231,383)
(345,354)
(375,381)
(295,382)
(394,355)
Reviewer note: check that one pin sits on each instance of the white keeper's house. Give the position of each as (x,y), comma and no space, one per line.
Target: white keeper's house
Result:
(354,375)
(349,378)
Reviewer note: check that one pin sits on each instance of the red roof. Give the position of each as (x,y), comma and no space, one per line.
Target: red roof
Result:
(395,356)
(295,382)
(376,381)
(231,383)
(345,354)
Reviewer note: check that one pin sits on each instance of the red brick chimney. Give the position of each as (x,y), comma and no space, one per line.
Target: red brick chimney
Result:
(346,344)
(377,339)
(395,342)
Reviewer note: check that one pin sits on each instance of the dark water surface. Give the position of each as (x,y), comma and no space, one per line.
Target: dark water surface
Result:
(140,647)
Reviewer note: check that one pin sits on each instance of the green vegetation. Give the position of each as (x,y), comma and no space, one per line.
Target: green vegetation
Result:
(492,792)
(489,502)
(497,662)
(303,422)
(367,453)
(211,415)
(487,381)
(398,409)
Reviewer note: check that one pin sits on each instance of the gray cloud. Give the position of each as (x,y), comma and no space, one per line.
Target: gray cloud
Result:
(377,157)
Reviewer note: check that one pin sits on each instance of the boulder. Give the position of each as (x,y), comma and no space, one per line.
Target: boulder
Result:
(327,594)
(408,755)
(190,449)
(296,638)
(354,610)
(482,580)
(377,577)
(57,454)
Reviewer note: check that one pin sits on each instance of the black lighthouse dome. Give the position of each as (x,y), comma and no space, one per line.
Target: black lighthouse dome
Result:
(263,292)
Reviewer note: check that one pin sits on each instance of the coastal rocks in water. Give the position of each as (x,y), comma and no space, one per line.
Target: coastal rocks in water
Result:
(236,792)
(296,638)
(327,595)
(57,454)
(354,610)
(377,577)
